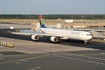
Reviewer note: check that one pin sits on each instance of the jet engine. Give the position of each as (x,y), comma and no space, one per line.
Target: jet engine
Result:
(54,39)
(35,37)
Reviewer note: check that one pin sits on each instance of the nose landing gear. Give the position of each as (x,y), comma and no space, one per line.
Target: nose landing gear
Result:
(85,41)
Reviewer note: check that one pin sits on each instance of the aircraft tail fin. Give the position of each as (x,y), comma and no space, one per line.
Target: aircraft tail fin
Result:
(41,21)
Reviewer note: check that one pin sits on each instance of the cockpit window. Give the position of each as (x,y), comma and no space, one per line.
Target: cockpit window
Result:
(89,34)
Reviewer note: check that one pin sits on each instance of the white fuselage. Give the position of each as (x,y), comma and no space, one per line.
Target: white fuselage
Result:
(68,34)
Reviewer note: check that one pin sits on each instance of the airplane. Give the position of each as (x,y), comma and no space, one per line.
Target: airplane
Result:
(60,34)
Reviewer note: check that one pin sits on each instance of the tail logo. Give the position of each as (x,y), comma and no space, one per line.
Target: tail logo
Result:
(41,21)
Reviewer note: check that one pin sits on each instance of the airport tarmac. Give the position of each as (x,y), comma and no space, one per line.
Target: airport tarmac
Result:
(53,61)
(31,55)
(45,55)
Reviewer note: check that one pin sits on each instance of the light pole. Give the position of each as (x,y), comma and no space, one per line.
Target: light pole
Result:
(82,18)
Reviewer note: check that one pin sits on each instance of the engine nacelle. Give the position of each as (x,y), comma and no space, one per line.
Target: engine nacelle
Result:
(54,39)
(35,37)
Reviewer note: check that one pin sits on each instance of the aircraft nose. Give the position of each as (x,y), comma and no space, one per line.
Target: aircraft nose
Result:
(86,36)
(90,37)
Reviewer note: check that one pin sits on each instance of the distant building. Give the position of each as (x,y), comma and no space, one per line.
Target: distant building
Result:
(69,21)
(0,13)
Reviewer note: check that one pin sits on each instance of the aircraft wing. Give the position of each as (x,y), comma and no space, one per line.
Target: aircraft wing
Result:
(25,34)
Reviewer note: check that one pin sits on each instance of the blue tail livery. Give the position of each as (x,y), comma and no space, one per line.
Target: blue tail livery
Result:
(41,21)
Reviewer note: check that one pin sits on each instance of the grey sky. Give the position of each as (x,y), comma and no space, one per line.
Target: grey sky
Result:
(52,6)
